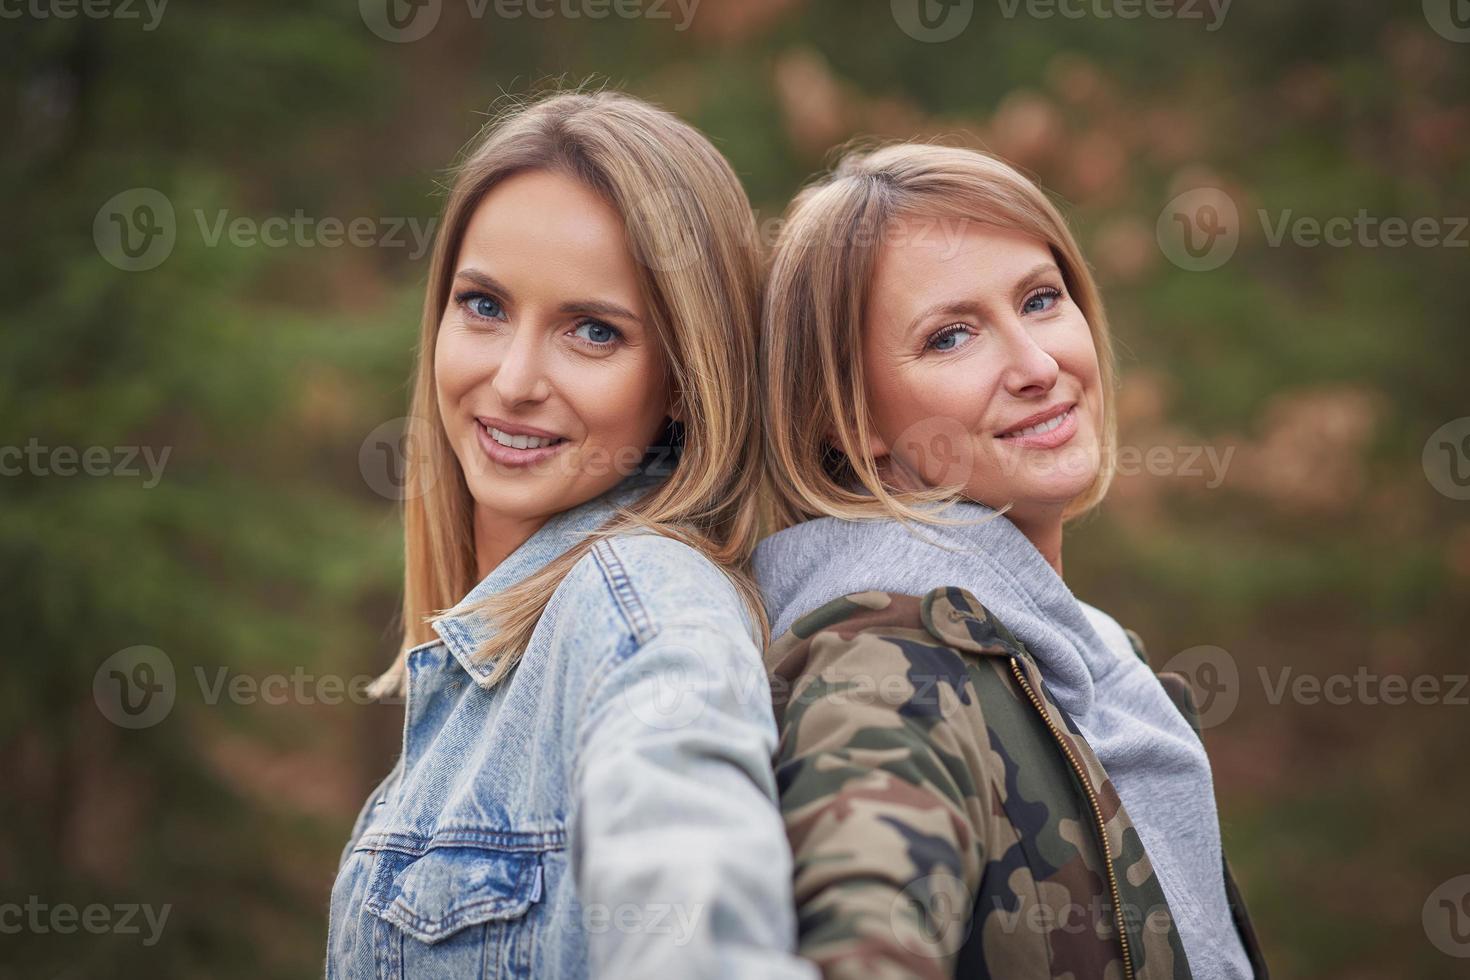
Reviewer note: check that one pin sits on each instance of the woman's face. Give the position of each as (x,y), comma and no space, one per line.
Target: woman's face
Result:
(550,378)
(980,369)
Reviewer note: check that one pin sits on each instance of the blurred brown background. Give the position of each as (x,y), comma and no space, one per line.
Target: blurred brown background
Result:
(214,251)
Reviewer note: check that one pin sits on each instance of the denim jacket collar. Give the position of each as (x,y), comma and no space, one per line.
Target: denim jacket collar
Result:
(464,632)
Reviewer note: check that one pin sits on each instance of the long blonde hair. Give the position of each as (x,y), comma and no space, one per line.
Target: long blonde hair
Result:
(691,228)
(816,408)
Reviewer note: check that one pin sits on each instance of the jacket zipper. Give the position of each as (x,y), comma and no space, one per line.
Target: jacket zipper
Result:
(1102,831)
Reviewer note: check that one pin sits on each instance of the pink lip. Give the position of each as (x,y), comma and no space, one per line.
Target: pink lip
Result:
(1046,440)
(508,456)
(510,428)
(1039,417)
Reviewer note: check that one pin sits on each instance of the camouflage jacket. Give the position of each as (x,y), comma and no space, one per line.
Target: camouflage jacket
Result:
(945,817)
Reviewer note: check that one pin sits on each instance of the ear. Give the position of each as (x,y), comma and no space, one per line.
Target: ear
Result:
(876,446)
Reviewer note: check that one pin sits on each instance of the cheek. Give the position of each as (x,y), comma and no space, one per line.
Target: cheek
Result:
(957,391)
(1078,358)
(1079,354)
(454,370)
(898,394)
(929,413)
(616,403)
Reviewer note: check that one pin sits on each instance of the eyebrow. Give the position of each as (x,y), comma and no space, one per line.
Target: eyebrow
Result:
(587,307)
(961,307)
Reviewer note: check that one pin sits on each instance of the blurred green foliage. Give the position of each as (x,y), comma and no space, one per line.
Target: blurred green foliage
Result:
(263,550)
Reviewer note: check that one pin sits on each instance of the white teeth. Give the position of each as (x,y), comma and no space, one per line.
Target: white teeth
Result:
(1040,428)
(518,442)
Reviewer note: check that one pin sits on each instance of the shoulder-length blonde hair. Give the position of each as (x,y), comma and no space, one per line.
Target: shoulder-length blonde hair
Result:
(691,228)
(816,419)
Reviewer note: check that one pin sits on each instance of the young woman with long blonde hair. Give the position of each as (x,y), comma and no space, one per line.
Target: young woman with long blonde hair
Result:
(585,783)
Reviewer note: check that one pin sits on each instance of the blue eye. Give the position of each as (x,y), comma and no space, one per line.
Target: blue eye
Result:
(1041,300)
(599,334)
(955,332)
(482,305)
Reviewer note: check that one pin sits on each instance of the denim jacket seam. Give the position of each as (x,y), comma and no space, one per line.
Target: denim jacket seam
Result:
(624,593)
(416,845)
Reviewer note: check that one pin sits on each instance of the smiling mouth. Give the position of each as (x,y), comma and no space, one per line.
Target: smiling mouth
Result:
(520,441)
(1040,428)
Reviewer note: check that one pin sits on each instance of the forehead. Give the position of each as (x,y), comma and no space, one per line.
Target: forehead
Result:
(527,217)
(921,256)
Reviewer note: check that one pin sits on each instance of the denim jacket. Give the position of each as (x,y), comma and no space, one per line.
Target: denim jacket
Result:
(607,809)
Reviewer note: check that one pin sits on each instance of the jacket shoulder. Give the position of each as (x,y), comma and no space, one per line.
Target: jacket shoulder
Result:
(655,581)
(888,780)
(889,651)
(943,617)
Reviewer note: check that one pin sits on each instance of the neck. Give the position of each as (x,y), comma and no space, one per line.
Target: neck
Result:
(1044,531)
(498,536)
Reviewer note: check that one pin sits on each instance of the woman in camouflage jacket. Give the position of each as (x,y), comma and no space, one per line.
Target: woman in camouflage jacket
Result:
(980,775)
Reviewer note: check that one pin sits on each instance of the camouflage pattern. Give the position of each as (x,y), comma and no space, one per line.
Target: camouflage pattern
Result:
(944,813)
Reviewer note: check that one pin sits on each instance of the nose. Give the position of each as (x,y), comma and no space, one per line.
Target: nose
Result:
(1030,369)
(520,376)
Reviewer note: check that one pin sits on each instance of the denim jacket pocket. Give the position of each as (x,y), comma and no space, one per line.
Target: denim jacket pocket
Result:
(456,911)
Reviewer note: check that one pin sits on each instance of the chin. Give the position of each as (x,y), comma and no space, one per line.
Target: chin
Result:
(517,498)
(1052,498)
(1051,495)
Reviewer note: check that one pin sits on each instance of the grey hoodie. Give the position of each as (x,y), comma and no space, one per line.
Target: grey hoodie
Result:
(1154,759)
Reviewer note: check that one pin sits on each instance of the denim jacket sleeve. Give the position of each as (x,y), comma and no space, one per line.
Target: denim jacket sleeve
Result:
(677,829)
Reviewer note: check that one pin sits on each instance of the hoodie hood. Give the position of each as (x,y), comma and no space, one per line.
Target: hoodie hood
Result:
(810,564)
